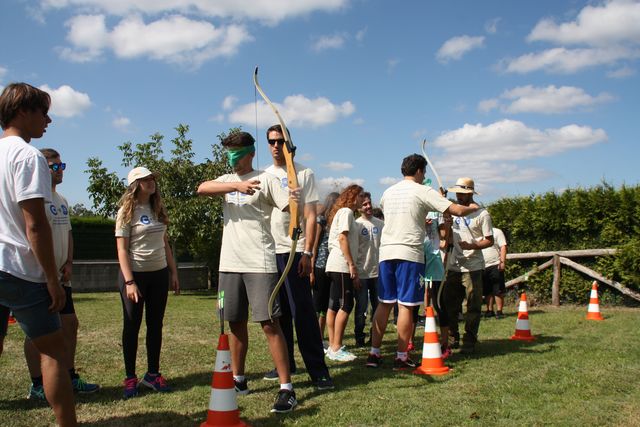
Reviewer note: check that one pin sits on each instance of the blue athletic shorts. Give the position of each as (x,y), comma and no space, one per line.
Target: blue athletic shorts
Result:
(29,303)
(399,281)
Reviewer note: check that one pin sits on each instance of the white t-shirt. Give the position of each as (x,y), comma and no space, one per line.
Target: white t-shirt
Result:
(369,246)
(247,242)
(24,175)
(405,206)
(58,215)
(468,228)
(342,221)
(146,239)
(492,253)
(279,219)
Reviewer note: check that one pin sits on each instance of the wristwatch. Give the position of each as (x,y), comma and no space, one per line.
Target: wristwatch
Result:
(307,253)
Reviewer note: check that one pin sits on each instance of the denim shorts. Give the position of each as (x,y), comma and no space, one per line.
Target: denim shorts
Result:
(29,303)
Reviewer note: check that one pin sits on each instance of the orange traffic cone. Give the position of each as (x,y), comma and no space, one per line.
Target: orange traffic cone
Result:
(12,319)
(432,363)
(593,312)
(223,407)
(523,333)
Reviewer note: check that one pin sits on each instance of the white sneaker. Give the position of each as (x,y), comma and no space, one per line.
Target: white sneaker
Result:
(341,355)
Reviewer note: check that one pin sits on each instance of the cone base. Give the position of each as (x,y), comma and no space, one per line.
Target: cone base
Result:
(225,423)
(597,316)
(424,370)
(521,338)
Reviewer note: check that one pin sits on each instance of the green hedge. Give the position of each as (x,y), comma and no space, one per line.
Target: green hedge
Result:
(599,217)
(93,238)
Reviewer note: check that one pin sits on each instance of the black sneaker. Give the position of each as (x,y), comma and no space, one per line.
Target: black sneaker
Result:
(272,375)
(324,383)
(360,343)
(401,365)
(242,388)
(499,315)
(454,341)
(285,401)
(489,314)
(373,361)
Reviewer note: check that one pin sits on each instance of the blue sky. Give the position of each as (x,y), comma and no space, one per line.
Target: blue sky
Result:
(524,97)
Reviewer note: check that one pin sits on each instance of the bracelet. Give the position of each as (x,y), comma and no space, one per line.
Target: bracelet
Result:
(130,282)
(307,253)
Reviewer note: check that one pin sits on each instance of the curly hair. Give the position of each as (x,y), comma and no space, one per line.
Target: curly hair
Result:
(347,199)
(129,201)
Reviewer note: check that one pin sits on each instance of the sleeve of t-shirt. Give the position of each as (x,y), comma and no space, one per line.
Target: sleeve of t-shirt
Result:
(122,230)
(342,220)
(32,179)
(500,239)
(279,196)
(487,226)
(309,187)
(435,200)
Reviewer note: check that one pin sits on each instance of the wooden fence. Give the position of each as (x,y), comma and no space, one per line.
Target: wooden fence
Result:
(559,258)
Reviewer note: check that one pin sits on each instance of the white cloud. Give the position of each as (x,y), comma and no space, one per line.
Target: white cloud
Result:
(228,102)
(611,23)
(456,47)
(621,72)
(66,101)
(361,34)
(121,123)
(3,72)
(498,152)
(297,110)
(304,157)
(544,100)
(329,184)
(338,166)
(335,41)
(392,64)
(172,39)
(267,11)
(563,60)
(388,180)
(491,27)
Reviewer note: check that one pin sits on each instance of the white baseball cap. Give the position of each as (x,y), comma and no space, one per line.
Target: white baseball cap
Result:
(138,173)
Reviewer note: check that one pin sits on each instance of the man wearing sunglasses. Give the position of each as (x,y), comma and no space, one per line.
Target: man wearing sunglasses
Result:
(295,295)
(29,279)
(57,211)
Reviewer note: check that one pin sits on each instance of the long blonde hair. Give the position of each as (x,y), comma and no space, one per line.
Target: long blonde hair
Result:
(129,201)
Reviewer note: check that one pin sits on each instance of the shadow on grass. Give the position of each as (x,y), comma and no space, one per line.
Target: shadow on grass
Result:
(504,346)
(146,419)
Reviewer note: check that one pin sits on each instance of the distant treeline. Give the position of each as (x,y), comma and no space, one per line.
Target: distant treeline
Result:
(598,217)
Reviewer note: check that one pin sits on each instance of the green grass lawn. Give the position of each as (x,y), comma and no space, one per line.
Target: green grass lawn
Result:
(577,372)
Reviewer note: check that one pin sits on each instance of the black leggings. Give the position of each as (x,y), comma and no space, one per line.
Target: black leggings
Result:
(341,294)
(320,291)
(154,286)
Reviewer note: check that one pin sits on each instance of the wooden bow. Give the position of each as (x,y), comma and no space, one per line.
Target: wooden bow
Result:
(292,180)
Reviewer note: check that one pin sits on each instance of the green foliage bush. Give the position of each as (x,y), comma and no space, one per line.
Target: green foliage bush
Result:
(93,238)
(594,218)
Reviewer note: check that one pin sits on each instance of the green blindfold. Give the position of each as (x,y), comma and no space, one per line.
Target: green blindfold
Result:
(233,156)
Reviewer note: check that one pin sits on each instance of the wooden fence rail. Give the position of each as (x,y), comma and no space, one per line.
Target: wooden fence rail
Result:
(559,258)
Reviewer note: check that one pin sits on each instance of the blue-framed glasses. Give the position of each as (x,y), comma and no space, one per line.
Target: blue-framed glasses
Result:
(58,166)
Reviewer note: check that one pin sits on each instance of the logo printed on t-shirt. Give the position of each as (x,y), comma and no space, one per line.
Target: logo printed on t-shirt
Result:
(145,219)
(53,209)
(364,231)
(375,230)
(237,198)
(64,210)
(284,182)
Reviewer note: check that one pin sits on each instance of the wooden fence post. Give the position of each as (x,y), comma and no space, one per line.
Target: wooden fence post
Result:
(555,287)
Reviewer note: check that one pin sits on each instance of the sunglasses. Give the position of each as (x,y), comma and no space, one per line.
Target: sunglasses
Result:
(276,141)
(58,166)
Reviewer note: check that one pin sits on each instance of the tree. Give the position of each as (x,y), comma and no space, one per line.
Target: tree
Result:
(195,227)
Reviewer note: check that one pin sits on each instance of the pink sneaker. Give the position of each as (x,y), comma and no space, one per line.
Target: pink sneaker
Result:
(446,353)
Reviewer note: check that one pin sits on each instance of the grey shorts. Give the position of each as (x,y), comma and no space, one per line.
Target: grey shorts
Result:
(244,290)
(29,302)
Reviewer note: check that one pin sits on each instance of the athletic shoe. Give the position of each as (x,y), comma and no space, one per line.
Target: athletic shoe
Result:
(155,382)
(489,314)
(446,353)
(467,348)
(285,401)
(81,386)
(401,365)
(499,315)
(373,361)
(360,343)
(272,375)
(36,392)
(325,346)
(324,383)
(242,388)
(130,387)
(341,355)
